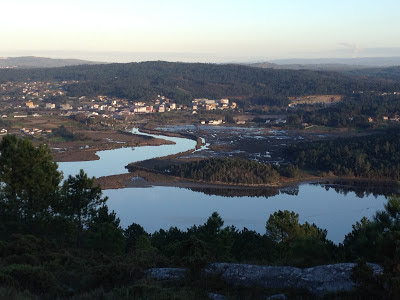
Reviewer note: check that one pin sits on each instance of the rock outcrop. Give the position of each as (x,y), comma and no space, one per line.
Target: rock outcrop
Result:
(167,274)
(317,280)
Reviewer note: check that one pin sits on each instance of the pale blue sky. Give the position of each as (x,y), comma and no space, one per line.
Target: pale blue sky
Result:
(220,28)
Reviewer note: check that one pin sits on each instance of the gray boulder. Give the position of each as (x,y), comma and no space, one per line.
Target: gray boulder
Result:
(317,280)
(216,296)
(167,274)
(277,296)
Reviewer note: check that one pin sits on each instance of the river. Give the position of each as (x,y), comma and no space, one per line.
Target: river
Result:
(163,207)
(113,162)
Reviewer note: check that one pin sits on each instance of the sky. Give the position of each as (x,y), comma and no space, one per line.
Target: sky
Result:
(200,30)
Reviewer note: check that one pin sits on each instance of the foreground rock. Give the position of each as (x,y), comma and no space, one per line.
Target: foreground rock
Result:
(166,274)
(317,280)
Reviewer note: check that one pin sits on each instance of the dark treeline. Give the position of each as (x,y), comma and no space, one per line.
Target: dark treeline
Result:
(354,111)
(230,170)
(389,73)
(185,81)
(373,156)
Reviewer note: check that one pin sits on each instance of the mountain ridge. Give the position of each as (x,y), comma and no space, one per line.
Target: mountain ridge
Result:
(27,62)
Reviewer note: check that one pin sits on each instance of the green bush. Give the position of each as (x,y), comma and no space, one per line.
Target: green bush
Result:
(33,278)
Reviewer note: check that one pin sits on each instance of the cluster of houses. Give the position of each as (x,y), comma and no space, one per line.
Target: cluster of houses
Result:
(378,93)
(386,94)
(207,104)
(160,104)
(36,95)
(36,90)
(30,95)
(163,104)
(212,122)
(395,118)
(34,131)
(120,106)
(50,98)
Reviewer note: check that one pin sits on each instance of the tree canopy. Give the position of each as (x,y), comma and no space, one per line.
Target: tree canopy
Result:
(29,179)
(32,200)
(372,156)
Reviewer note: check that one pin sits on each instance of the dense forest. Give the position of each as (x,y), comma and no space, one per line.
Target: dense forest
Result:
(58,240)
(354,111)
(185,81)
(388,73)
(225,170)
(372,156)
(230,171)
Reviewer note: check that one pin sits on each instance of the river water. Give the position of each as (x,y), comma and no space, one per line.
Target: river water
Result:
(163,207)
(113,162)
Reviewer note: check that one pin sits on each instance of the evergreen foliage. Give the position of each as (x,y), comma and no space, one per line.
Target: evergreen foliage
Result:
(29,181)
(373,156)
(226,170)
(388,73)
(79,200)
(354,111)
(377,240)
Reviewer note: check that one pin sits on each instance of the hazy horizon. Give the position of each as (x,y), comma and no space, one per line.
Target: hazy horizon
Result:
(126,57)
(201,31)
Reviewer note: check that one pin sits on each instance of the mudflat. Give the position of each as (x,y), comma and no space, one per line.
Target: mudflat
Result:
(85,150)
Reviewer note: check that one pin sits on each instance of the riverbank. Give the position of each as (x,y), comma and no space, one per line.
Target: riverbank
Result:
(85,150)
(141,178)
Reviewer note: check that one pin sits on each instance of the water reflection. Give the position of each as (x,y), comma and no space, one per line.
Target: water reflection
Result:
(247,192)
(163,207)
(361,188)
(244,192)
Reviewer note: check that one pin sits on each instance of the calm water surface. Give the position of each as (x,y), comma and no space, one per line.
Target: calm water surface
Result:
(163,207)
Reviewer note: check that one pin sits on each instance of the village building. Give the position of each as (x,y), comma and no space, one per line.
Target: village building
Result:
(50,106)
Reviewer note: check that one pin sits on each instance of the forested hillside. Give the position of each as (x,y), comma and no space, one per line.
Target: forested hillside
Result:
(354,111)
(227,170)
(390,73)
(26,62)
(185,81)
(374,156)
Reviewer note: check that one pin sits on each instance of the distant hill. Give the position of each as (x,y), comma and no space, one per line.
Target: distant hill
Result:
(329,64)
(392,73)
(26,62)
(315,67)
(185,81)
(362,61)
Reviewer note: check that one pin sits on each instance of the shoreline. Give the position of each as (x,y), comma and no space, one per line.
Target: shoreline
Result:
(144,179)
(75,151)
